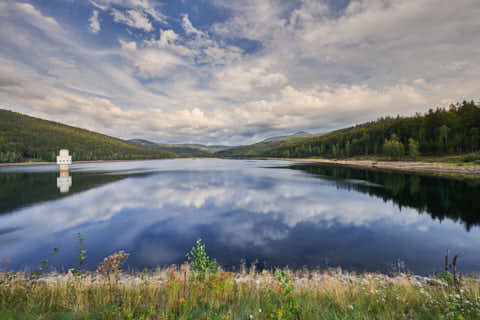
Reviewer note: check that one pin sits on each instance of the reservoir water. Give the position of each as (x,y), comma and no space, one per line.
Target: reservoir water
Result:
(271,212)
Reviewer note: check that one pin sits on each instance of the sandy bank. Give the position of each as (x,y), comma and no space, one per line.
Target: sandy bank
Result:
(435,168)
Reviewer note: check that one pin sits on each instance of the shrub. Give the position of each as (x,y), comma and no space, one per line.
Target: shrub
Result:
(413,148)
(112,263)
(471,157)
(393,147)
(201,263)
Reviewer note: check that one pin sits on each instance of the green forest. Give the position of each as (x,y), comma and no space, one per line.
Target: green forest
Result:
(453,130)
(438,132)
(24,138)
(261,147)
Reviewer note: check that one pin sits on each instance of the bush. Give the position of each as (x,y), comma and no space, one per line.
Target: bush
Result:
(112,263)
(201,263)
(393,147)
(471,157)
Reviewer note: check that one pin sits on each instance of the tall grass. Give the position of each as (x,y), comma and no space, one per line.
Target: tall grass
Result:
(175,293)
(200,290)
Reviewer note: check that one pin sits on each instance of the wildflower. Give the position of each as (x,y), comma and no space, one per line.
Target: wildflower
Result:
(112,263)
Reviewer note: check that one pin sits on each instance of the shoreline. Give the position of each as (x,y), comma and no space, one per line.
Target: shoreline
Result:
(430,168)
(44,163)
(422,167)
(301,278)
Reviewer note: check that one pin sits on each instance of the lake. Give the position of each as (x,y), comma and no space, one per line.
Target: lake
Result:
(274,213)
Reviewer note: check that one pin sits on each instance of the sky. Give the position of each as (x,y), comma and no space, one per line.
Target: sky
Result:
(234,72)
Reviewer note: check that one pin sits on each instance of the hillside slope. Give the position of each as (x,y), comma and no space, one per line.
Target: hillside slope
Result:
(24,138)
(259,148)
(455,130)
(183,150)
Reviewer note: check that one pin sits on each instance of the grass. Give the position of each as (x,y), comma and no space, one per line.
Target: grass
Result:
(200,290)
(469,158)
(174,293)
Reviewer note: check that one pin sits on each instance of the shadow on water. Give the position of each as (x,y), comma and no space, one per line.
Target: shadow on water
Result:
(439,197)
(22,189)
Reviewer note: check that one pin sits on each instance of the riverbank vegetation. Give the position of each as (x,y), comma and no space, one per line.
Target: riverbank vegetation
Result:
(24,138)
(175,293)
(200,290)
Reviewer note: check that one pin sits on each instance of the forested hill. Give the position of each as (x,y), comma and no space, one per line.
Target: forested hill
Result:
(260,148)
(24,138)
(183,150)
(442,131)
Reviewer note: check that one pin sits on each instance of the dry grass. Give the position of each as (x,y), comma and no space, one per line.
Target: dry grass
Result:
(173,293)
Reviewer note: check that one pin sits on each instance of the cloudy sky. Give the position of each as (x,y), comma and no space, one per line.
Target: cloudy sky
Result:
(234,72)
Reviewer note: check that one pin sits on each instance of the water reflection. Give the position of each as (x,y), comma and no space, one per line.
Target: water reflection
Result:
(156,210)
(440,198)
(64,181)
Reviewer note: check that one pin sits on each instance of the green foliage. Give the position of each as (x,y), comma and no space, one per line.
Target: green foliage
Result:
(82,255)
(201,263)
(437,132)
(393,147)
(413,148)
(24,138)
(221,297)
(301,295)
(472,157)
(289,307)
(260,148)
(183,150)
(43,265)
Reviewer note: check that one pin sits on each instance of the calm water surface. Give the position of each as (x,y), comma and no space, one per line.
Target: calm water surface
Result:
(275,212)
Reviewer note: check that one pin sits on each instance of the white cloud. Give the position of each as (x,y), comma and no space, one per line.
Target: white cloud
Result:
(37,18)
(142,6)
(313,68)
(133,18)
(128,45)
(273,207)
(155,63)
(29,15)
(189,28)
(94,25)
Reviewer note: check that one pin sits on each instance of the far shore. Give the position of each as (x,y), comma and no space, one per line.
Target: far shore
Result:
(435,168)
(42,163)
(458,170)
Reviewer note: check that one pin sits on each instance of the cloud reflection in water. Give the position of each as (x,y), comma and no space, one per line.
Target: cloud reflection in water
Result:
(242,210)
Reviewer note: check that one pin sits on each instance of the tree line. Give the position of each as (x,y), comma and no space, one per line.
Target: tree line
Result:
(453,130)
(24,138)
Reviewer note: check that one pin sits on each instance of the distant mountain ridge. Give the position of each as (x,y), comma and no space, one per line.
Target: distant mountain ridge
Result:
(299,133)
(182,149)
(200,150)
(260,148)
(24,138)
